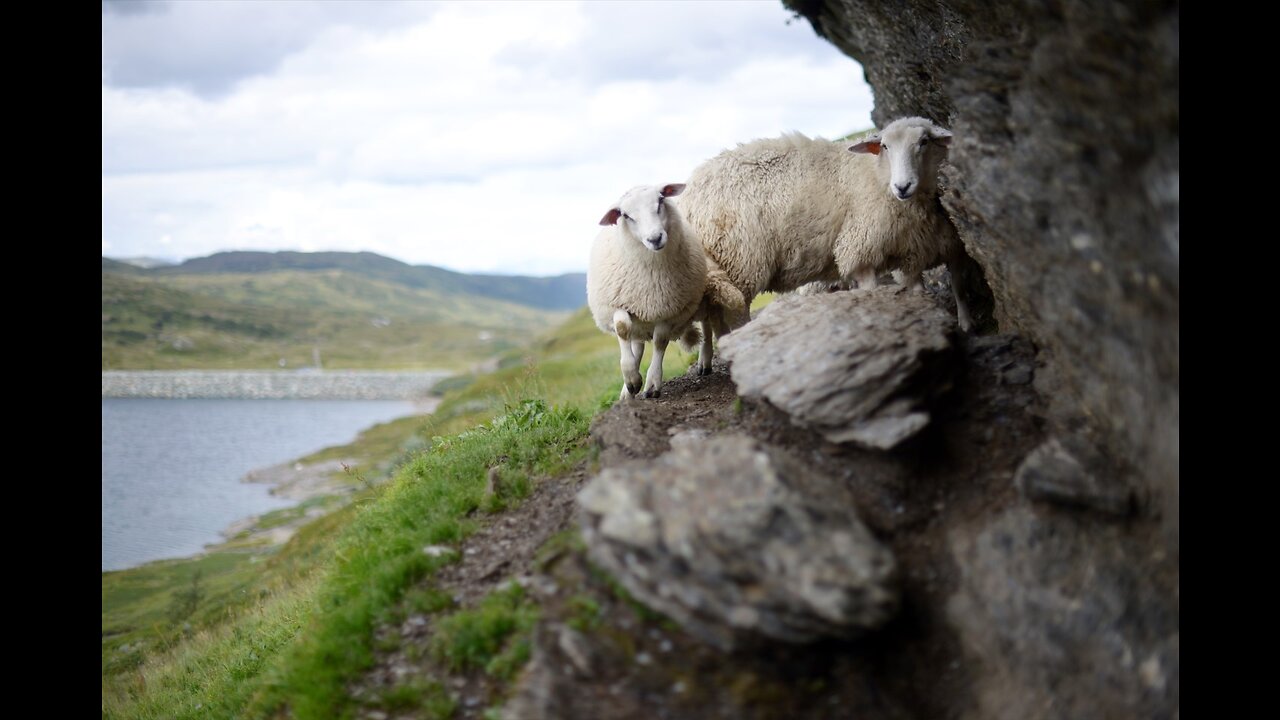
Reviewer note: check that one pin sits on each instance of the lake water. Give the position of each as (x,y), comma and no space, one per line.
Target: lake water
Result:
(171,469)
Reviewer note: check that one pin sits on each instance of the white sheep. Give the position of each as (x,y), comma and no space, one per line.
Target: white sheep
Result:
(646,281)
(780,213)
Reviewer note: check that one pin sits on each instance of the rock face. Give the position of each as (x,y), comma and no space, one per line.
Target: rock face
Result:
(714,534)
(857,366)
(1063,183)
(1066,622)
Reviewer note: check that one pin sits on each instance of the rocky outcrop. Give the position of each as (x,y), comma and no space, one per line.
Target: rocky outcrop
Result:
(1065,620)
(1063,184)
(859,366)
(714,534)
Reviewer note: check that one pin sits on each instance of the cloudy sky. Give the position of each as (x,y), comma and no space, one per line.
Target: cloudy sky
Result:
(477,136)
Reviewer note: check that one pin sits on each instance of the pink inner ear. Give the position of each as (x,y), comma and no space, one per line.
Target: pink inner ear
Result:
(611,217)
(672,189)
(866,146)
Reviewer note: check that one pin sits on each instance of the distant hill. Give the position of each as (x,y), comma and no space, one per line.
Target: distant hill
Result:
(147,262)
(159,320)
(120,267)
(562,292)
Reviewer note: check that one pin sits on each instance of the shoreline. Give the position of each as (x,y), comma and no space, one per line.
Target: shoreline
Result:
(325,482)
(293,480)
(272,384)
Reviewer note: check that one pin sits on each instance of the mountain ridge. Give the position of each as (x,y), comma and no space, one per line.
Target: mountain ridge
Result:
(558,292)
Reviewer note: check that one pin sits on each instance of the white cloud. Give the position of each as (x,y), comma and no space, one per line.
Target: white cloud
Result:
(475,136)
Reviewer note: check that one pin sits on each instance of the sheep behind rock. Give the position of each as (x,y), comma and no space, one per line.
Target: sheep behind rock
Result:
(902,224)
(646,281)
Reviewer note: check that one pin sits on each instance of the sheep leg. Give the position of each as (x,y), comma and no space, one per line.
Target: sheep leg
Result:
(866,277)
(912,281)
(630,363)
(705,351)
(653,381)
(962,308)
(637,349)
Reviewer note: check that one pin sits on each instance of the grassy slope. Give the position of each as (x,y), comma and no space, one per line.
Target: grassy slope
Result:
(252,321)
(299,625)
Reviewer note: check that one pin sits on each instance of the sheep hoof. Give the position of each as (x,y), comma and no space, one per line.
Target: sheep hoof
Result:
(632,388)
(651,394)
(703,371)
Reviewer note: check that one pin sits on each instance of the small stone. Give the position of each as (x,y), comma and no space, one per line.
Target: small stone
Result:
(1151,674)
(665,646)
(438,550)
(644,658)
(578,650)
(1051,473)
(1017,375)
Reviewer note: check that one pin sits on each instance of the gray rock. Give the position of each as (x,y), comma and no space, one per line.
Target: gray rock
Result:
(714,534)
(576,648)
(857,366)
(1051,473)
(1065,619)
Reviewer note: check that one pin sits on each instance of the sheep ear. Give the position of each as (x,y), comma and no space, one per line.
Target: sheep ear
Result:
(868,145)
(672,189)
(940,135)
(611,217)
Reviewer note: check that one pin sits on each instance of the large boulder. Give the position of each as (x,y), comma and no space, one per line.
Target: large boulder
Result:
(715,534)
(858,366)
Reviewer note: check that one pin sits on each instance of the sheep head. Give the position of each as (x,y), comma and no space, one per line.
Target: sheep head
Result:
(643,213)
(910,151)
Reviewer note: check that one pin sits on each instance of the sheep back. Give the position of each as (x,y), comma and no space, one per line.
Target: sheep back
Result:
(768,212)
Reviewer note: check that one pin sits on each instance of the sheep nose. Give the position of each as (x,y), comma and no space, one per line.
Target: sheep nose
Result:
(903,189)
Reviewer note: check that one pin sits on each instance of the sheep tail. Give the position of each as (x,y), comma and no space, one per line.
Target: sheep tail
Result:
(732,306)
(691,339)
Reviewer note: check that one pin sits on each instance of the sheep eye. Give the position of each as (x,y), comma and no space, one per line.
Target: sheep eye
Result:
(924,141)
(626,216)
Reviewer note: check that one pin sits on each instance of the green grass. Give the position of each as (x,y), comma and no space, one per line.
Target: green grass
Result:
(287,633)
(380,555)
(427,698)
(478,638)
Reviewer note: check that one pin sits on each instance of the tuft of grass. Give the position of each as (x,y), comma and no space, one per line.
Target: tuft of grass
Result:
(471,639)
(425,696)
(584,613)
